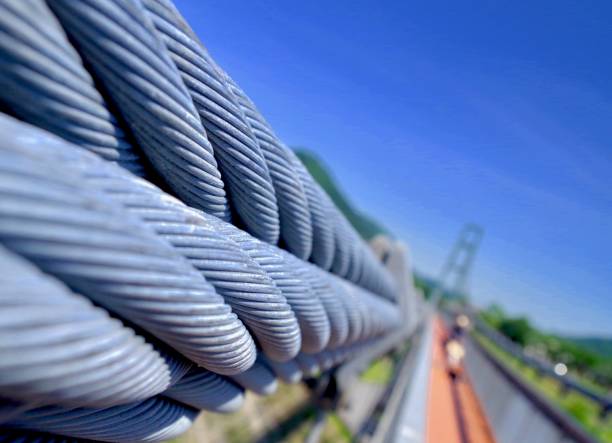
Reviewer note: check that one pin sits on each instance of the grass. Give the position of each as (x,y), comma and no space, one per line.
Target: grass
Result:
(584,410)
(379,372)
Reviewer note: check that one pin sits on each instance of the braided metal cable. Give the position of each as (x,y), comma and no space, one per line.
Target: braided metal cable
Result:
(323,244)
(119,41)
(387,315)
(203,389)
(308,364)
(24,436)
(258,379)
(288,372)
(377,278)
(244,285)
(43,81)
(152,420)
(329,293)
(304,272)
(353,313)
(325,360)
(343,239)
(296,226)
(57,348)
(308,309)
(241,161)
(88,241)
(177,365)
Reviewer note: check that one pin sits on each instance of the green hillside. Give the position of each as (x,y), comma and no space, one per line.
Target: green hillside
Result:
(364,224)
(598,345)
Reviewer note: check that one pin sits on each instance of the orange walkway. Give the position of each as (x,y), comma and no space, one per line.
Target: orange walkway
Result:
(454,414)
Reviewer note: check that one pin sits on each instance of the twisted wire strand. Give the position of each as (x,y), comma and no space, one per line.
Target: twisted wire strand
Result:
(308,364)
(57,348)
(86,240)
(294,213)
(242,164)
(119,41)
(308,309)
(355,261)
(152,420)
(325,360)
(206,390)
(244,285)
(177,365)
(377,278)
(289,371)
(43,81)
(25,436)
(329,293)
(344,291)
(322,229)
(258,379)
(388,316)
(305,274)
(342,255)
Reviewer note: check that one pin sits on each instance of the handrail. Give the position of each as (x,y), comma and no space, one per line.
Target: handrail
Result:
(543,367)
(566,424)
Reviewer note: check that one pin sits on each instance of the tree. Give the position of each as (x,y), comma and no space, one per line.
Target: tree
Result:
(516,329)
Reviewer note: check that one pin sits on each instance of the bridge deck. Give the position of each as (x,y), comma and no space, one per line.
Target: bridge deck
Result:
(454,411)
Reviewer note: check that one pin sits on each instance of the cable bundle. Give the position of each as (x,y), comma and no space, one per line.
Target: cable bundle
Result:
(118,190)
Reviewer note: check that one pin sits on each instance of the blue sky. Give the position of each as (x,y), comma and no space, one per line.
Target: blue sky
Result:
(433,114)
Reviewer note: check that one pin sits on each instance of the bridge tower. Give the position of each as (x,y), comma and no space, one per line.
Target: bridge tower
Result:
(455,273)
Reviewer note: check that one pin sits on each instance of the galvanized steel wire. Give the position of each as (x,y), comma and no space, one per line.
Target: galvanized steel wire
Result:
(118,39)
(56,347)
(88,241)
(242,164)
(44,82)
(203,310)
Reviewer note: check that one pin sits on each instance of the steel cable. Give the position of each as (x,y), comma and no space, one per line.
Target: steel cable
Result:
(163,267)
(203,389)
(242,164)
(288,372)
(323,244)
(355,321)
(25,436)
(342,254)
(88,241)
(43,81)
(330,294)
(304,272)
(244,285)
(308,364)
(57,348)
(258,379)
(119,41)
(308,309)
(296,226)
(152,420)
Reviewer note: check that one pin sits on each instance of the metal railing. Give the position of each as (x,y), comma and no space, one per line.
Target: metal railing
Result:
(543,367)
